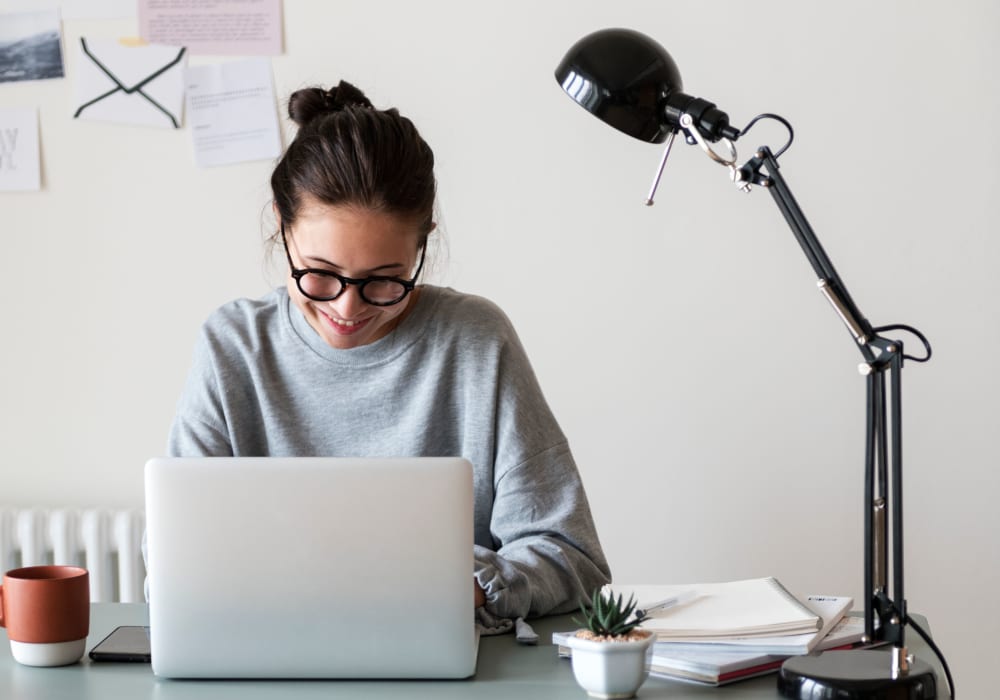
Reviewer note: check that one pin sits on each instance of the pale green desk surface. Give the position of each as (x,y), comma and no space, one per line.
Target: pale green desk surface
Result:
(505,670)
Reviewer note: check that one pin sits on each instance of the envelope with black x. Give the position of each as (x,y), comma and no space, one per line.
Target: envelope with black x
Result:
(130,84)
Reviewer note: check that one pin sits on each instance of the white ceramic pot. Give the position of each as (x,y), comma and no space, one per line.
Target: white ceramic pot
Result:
(611,669)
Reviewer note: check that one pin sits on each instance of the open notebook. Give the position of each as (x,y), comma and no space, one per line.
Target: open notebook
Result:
(752,607)
(311,567)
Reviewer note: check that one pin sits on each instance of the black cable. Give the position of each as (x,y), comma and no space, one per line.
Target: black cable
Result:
(791,132)
(914,331)
(927,638)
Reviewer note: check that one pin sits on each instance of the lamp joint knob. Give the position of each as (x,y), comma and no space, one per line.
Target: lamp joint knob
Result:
(739,178)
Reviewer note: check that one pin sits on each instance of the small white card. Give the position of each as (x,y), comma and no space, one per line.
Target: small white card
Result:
(20,166)
(232,112)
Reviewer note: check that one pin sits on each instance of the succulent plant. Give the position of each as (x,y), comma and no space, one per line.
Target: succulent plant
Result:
(608,616)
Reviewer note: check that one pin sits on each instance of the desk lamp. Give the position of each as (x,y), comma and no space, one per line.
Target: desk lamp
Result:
(630,82)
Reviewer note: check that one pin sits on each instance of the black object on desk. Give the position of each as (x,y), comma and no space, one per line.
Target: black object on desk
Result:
(125,643)
(630,82)
(842,675)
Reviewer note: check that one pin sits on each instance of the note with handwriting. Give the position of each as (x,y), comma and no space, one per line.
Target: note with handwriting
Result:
(214,27)
(233,112)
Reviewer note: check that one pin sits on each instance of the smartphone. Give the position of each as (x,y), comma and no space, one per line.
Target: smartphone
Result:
(125,643)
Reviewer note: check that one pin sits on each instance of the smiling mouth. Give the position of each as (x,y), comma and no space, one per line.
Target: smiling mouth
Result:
(342,326)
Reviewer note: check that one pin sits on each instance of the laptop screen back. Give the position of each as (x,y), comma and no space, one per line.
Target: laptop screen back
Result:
(310,567)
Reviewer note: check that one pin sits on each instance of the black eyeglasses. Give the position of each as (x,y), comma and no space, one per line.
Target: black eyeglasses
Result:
(327,285)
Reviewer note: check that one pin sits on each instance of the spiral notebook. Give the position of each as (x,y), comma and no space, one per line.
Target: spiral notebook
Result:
(748,608)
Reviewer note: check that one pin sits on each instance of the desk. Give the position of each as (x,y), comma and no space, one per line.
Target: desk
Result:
(505,670)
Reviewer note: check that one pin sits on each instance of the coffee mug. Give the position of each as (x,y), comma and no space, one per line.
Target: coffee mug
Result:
(46,610)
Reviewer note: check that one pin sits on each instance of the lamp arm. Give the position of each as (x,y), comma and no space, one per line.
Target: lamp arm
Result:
(885,615)
(763,170)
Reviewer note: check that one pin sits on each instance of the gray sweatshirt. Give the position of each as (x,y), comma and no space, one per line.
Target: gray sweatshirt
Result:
(451,380)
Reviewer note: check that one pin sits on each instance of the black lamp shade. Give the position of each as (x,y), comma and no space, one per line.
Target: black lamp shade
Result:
(624,78)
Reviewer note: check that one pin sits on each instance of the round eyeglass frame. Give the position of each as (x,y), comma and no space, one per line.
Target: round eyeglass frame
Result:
(345,282)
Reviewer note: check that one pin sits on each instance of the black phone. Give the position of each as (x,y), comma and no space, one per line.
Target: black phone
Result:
(125,643)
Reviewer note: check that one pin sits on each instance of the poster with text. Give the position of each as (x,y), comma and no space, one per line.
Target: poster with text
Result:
(20,168)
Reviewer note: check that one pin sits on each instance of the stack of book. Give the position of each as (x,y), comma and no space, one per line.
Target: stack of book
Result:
(725,632)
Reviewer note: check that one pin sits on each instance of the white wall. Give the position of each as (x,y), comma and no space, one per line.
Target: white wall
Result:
(711,395)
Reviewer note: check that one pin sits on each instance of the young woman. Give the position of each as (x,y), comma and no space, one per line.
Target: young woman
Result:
(354,358)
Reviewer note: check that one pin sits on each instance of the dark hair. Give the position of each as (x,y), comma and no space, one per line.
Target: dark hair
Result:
(347,153)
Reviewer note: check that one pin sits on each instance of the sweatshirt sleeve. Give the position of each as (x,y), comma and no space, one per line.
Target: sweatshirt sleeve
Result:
(549,555)
(546,554)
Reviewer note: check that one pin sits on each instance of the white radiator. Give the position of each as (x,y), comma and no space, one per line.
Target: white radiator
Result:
(107,543)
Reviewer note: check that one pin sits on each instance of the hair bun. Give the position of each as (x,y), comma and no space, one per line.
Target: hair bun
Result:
(307,104)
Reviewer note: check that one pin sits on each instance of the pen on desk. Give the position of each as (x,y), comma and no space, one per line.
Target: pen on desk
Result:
(667,603)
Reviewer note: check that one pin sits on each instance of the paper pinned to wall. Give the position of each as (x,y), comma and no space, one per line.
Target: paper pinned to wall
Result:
(214,27)
(232,112)
(141,85)
(30,46)
(20,165)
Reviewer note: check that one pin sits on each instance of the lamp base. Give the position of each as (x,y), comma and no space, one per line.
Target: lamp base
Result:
(853,675)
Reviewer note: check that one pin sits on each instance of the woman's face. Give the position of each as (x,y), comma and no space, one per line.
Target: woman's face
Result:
(353,242)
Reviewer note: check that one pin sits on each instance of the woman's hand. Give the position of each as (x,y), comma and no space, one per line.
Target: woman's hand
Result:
(479,595)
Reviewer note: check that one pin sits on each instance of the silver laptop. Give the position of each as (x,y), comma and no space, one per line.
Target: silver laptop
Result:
(310,567)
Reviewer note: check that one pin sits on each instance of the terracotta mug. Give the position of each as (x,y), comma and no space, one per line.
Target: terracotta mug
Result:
(46,610)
